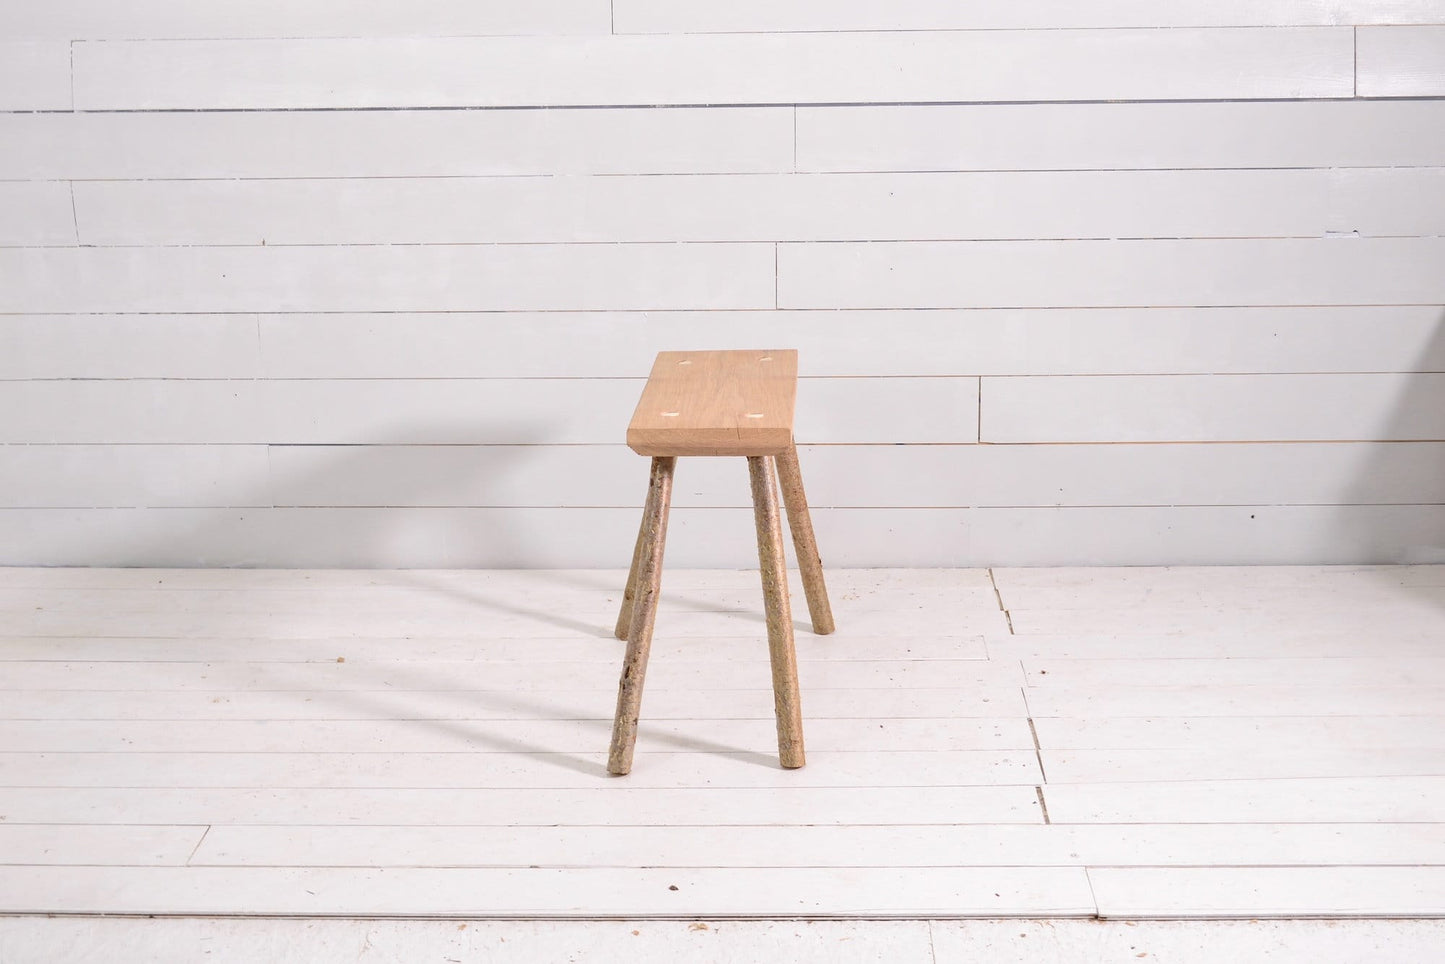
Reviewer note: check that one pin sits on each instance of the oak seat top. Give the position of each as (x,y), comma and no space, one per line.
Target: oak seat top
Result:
(717,403)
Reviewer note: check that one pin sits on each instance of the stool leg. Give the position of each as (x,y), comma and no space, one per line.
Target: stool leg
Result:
(801,523)
(624,615)
(780,617)
(644,611)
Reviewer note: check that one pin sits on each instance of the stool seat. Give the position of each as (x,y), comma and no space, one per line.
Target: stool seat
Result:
(717,403)
(721,403)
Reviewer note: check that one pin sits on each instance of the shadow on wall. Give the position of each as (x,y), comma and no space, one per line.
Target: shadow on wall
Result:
(1394,510)
(351,506)
(335,514)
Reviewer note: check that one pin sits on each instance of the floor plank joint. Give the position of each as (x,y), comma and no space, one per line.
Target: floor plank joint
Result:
(1073,743)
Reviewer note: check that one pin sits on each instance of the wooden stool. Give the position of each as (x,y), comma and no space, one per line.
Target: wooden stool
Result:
(721,403)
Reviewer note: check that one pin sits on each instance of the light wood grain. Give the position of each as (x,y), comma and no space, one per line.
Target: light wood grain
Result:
(716,403)
(642,613)
(805,545)
(772,566)
(623,628)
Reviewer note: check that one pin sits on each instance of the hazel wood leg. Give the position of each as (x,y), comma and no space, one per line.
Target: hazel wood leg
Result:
(624,615)
(810,565)
(773,565)
(644,612)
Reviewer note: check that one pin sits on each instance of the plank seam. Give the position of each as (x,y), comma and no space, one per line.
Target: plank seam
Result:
(701,105)
(74,216)
(1089,880)
(998,596)
(204,833)
(1039,755)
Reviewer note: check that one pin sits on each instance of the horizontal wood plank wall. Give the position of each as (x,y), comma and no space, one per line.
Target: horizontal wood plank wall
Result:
(347,284)
(1402,62)
(34,76)
(887,67)
(182,20)
(700,16)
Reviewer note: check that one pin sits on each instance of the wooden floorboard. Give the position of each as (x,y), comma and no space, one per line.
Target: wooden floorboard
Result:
(515,764)
(604,650)
(1254,892)
(612,804)
(1080,742)
(939,845)
(94,940)
(542,703)
(1409,799)
(125,739)
(552,892)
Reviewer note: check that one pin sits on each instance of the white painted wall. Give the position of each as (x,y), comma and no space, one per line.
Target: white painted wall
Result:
(356,284)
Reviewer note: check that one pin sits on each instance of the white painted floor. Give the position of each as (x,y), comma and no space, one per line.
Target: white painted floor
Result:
(1117,743)
(107,940)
